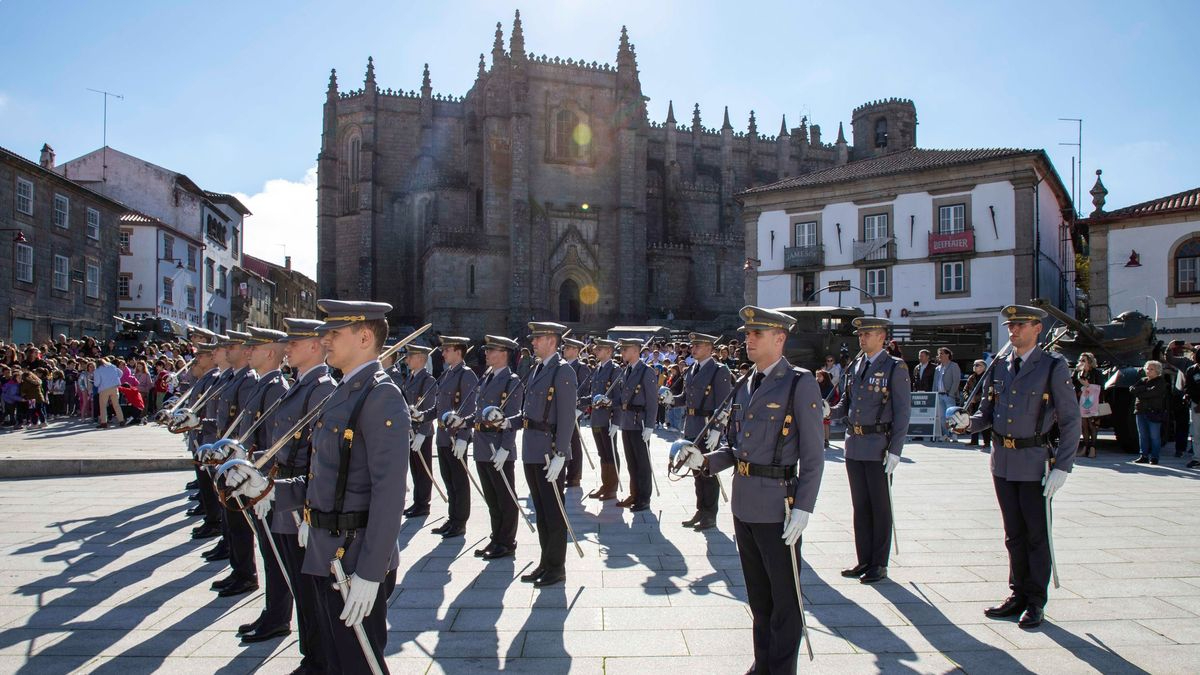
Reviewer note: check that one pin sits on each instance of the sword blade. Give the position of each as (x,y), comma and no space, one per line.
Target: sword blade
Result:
(428,471)
(796,581)
(1050,532)
(892,510)
(512,493)
(343,586)
(563,510)
(583,446)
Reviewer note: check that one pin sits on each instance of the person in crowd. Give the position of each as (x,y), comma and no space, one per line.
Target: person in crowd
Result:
(829,393)
(923,374)
(1150,409)
(107,379)
(145,384)
(971,404)
(832,368)
(35,400)
(675,384)
(56,390)
(135,402)
(1087,373)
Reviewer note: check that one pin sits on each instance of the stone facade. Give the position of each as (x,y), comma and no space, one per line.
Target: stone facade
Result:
(545,192)
(61,276)
(295,293)
(250,304)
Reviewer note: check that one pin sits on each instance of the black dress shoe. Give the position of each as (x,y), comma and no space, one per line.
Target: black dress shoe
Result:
(691,521)
(249,627)
(206,532)
(482,552)
(856,571)
(1010,607)
(195,511)
(192,485)
(222,584)
(1032,618)
(1153,462)
(500,552)
(1193,464)
(639,507)
(217,554)
(1142,460)
(194,497)
(873,575)
(441,528)
(239,587)
(263,633)
(416,513)
(626,503)
(550,578)
(705,524)
(533,576)
(457,531)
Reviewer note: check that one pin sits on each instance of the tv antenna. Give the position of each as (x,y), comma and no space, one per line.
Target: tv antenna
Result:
(104,145)
(1076,190)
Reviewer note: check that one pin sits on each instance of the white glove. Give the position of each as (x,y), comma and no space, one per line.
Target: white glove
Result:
(665,397)
(793,526)
(959,422)
(504,424)
(688,454)
(245,481)
(263,506)
(890,462)
(455,421)
(417,442)
(302,535)
(499,457)
(359,600)
(578,414)
(647,432)
(554,466)
(825,411)
(460,449)
(712,440)
(415,416)
(1054,482)
(601,401)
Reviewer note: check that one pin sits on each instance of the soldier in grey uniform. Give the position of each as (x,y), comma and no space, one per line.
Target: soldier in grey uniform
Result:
(420,390)
(496,448)
(208,433)
(635,402)
(570,354)
(876,401)
(455,396)
(266,357)
(548,417)
(706,383)
(238,535)
(206,373)
(775,441)
(1027,391)
(353,494)
(313,384)
(602,378)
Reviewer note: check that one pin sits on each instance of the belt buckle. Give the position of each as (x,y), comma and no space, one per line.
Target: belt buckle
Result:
(308,516)
(525,423)
(858,430)
(743,468)
(1010,443)
(691,412)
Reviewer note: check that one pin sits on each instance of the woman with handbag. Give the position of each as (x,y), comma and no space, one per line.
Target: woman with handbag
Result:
(1086,373)
(1150,409)
(972,404)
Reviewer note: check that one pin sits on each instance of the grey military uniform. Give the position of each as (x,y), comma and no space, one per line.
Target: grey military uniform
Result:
(419,390)
(269,389)
(876,406)
(210,415)
(199,388)
(502,389)
(292,459)
(704,388)
(235,397)
(456,392)
(549,416)
(605,374)
(635,399)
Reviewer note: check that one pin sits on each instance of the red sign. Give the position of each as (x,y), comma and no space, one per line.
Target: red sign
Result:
(954,242)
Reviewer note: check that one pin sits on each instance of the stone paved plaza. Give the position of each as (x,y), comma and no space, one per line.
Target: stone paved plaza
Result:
(98,575)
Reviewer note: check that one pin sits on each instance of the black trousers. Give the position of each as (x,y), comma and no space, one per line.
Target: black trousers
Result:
(708,494)
(1023,509)
(458,485)
(307,617)
(641,483)
(872,511)
(604,445)
(575,466)
(771,590)
(240,538)
(278,609)
(551,528)
(422,482)
(501,508)
(344,653)
(208,497)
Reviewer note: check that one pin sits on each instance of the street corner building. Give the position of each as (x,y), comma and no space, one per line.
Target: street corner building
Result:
(546,192)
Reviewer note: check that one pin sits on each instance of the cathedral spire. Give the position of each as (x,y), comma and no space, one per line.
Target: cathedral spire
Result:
(498,46)
(516,44)
(369,82)
(626,61)
(783,132)
(841,134)
(752,128)
(726,125)
(670,112)
(696,118)
(482,65)
(332,92)
(426,87)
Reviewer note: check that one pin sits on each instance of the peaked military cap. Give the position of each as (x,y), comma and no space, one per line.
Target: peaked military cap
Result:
(419,349)
(220,340)
(342,313)
(265,336)
(205,347)
(629,342)
(455,341)
(235,337)
(537,328)
(300,329)
(198,331)
(604,342)
(572,342)
(758,318)
(500,342)
(1021,314)
(702,337)
(862,323)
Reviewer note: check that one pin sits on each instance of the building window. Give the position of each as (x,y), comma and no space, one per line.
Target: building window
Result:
(1187,268)
(877,284)
(479,207)
(168,286)
(881,132)
(168,246)
(25,263)
(875,227)
(650,280)
(233,242)
(93,224)
(123,283)
(953,277)
(62,211)
(803,287)
(952,218)
(718,279)
(222,287)
(123,241)
(192,254)
(806,234)
(564,134)
(471,280)
(62,272)
(208,273)
(25,196)
(93,281)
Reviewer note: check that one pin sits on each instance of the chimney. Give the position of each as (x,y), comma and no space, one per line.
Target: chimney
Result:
(287,262)
(47,159)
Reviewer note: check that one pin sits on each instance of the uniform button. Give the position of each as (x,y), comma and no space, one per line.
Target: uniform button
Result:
(772,418)
(1010,421)
(320,424)
(747,434)
(750,416)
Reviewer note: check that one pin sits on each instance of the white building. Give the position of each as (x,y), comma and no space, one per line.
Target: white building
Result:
(936,237)
(187,217)
(1146,257)
(160,271)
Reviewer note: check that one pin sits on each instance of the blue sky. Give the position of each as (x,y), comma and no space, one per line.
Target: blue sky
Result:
(230,93)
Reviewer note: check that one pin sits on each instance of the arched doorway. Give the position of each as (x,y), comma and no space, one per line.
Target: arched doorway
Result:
(568,301)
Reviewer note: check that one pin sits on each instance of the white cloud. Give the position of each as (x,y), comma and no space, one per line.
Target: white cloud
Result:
(284,222)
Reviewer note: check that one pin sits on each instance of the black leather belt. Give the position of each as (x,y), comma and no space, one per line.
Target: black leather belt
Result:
(765,471)
(544,427)
(335,522)
(634,408)
(285,471)
(692,412)
(487,427)
(1015,443)
(865,429)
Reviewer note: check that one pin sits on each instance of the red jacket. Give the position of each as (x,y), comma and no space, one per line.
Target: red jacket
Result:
(132,396)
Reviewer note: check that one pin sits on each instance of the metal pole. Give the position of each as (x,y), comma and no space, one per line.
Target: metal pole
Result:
(1050,529)
(343,586)
(787,515)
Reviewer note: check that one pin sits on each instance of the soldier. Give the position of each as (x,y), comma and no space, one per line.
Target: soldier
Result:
(354,492)
(208,433)
(238,535)
(205,371)
(602,378)
(455,393)
(306,356)
(636,397)
(266,357)
(570,354)
(1026,393)
(496,448)
(420,390)
(706,383)
(775,441)
(875,403)
(548,417)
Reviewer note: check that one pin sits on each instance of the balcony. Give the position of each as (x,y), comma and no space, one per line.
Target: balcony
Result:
(803,257)
(874,251)
(952,243)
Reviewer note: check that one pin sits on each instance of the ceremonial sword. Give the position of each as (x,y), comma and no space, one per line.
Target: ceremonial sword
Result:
(563,510)
(1050,526)
(511,493)
(343,586)
(787,516)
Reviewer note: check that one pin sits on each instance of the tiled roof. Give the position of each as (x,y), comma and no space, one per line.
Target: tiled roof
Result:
(916,159)
(1180,201)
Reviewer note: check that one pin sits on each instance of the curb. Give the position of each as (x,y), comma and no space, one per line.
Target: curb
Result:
(49,468)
